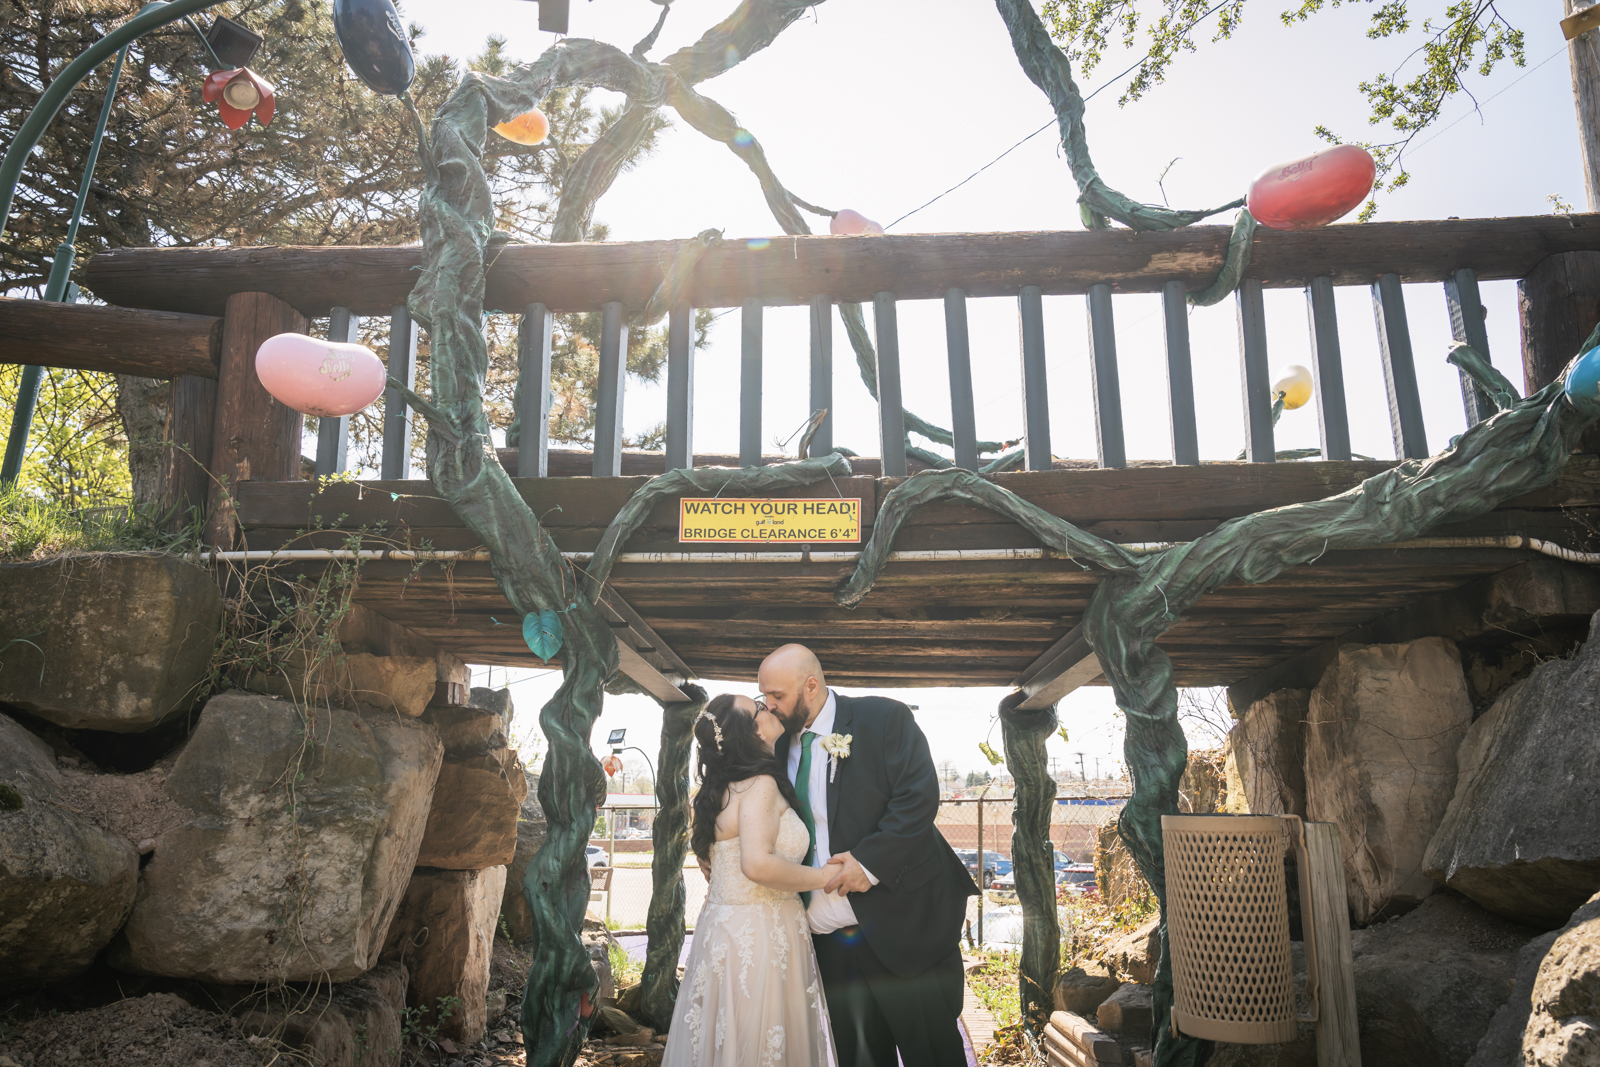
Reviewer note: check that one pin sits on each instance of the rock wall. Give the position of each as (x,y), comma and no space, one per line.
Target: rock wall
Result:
(1521,835)
(1382,731)
(118,642)
(66,884)
(1564,1022)
(1266,751)
(298,849)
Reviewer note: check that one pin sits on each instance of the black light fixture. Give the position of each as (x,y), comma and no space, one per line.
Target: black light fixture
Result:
(234,44)
(617,736)
(553,15)
(374,44)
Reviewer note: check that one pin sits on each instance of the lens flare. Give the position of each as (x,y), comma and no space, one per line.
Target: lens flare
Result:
(758,244)
(744,139)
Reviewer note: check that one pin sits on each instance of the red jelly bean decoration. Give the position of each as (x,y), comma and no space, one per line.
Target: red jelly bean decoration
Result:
(1312,191)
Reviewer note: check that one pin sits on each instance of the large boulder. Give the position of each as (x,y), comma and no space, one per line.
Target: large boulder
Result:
(401,684)
(66,884)
(301,837)
(1136,953)
(1502,1044)
(350,1024)
(121,642)
(531,830)
(1082,989)
(1522,833)
(444,933)
(1383,727)
(1266,750)
(1428,983)
(495,700)
(1564,1023)
(472,824)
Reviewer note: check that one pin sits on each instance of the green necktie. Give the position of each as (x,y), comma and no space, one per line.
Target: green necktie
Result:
(802,792)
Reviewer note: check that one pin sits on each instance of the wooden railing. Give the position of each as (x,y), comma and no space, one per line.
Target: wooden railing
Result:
(536,282)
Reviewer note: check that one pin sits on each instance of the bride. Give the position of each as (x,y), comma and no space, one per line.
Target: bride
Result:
(751,995)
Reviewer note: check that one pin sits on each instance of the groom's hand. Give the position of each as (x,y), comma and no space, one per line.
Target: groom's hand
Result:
(851,878)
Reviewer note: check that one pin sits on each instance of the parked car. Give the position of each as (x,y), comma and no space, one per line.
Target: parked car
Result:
(1004,884)
(1075,877)
(991,865)
(596,856)
(1063,861)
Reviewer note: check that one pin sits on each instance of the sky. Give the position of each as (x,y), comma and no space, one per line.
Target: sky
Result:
(881,105)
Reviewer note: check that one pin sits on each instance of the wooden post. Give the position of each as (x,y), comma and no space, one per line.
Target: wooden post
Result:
(534,341)
(1035,392)
(1255,378)
(1584,55)
(608,402)
(191,428)
(891,412)
(1558,304)
(1322,884)
(1103,381)
(333,434)
(254,435)
(822,373)
(1180,374)
(680,390)
(963,420)
(750,384)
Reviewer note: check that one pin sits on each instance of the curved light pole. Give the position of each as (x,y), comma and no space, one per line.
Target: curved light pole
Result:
(151,16)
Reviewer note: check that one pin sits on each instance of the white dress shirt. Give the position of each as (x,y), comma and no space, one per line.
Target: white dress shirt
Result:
(828,911)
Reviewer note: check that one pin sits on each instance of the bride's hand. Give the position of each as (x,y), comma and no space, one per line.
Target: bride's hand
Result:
(831,869)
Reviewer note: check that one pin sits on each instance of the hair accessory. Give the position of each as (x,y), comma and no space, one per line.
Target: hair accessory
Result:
(716,727)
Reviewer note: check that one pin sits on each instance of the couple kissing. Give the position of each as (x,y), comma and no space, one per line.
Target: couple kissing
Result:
(831,930)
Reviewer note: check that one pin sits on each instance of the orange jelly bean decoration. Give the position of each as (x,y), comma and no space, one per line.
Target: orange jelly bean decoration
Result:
(528,128)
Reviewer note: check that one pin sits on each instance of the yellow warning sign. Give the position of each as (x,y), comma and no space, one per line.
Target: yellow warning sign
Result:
(747,521)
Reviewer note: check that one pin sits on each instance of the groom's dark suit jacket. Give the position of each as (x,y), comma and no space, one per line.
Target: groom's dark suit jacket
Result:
(881,806)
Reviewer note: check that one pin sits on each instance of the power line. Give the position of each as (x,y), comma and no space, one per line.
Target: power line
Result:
(1478,110)
(1103,85)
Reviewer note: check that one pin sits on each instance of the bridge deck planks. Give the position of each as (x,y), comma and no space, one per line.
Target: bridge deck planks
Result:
(924,623)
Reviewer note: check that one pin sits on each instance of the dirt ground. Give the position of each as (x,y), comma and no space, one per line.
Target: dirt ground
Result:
(158,1030)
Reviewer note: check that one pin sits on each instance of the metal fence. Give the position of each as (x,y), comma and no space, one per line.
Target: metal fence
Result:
(623,884)
(977,826)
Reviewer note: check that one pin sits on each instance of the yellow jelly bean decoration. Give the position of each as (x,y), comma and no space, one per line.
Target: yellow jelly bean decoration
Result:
(531,127)
(1295,385)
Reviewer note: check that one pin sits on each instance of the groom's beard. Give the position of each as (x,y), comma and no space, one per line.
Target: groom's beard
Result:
(795,721)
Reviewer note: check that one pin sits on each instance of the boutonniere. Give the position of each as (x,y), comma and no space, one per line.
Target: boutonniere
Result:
(837,746)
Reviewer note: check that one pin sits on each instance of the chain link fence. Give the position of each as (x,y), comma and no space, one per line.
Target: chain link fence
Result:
(621,852)
(981,826)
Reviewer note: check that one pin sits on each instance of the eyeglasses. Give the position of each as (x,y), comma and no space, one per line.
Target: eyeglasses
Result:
(761,705)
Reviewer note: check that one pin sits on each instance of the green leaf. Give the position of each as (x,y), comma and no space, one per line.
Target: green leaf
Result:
(543,632)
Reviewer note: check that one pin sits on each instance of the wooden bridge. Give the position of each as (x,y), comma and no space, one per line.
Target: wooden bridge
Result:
(969,599)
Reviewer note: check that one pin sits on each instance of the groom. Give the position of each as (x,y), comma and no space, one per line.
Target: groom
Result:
(887,930)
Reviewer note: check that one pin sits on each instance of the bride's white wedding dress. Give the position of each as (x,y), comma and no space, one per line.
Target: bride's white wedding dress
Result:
(751,995)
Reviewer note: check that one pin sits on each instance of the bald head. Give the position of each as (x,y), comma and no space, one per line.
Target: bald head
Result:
(791,680)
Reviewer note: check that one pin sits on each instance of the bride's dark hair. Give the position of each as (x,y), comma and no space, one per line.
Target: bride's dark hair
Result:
(730,751)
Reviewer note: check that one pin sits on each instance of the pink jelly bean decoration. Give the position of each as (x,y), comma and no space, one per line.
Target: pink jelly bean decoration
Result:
(323,378)
(852,222)
(1314,191)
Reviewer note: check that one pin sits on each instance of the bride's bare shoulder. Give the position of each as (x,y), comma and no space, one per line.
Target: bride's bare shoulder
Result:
(757,786)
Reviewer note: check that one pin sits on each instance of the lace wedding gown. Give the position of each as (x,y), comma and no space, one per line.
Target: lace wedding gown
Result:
(751,995)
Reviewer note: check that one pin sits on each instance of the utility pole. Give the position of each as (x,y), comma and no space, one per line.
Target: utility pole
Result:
(1584,53)
(1081,773)
(1097,768)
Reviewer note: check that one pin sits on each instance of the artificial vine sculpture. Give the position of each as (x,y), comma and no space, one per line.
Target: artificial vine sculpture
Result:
(664,925)
(1033,854)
